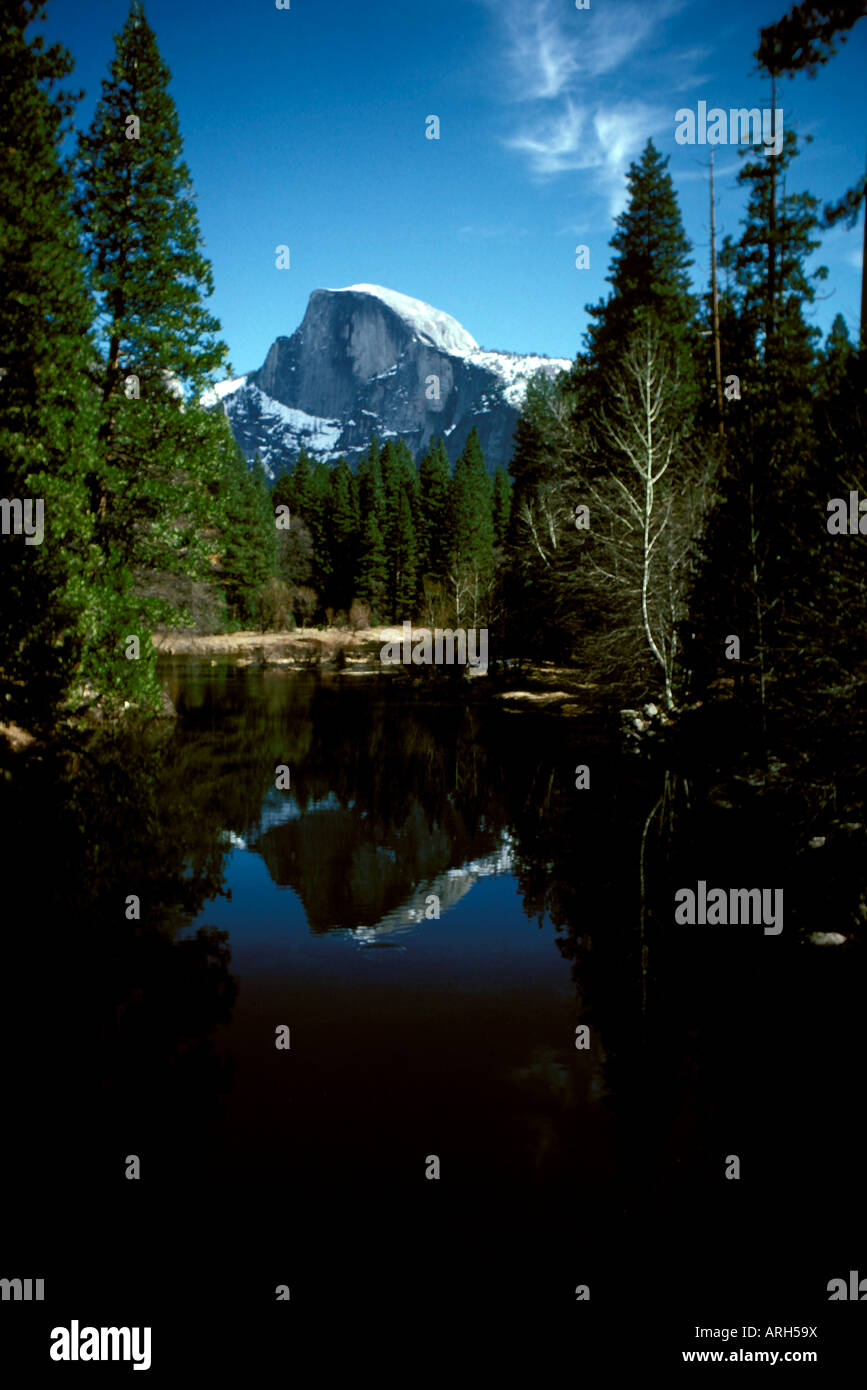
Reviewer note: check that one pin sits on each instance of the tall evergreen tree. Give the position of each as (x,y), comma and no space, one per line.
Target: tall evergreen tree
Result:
(833,590)
(343,512)
(529,589)
(300,488)
(250,542)
(141,232)
(649,278)
(62,622)
(402,567)
(371,495)
(319,522)
(149,279)
(805,36)
(434,481)
(581,498)
(502,505)
(372,577)
(400,497)
(753,583)
(471,538)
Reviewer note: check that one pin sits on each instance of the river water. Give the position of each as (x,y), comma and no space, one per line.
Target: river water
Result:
(428,913)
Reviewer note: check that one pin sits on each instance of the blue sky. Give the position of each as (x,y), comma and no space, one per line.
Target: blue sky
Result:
(306,127)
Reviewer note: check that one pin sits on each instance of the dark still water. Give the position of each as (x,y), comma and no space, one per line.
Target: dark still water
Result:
(431,909)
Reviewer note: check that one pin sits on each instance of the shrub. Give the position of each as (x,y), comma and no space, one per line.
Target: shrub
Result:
(304,603)
(272,605)
(359,615)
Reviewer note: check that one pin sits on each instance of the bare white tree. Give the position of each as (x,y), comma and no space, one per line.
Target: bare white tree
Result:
(648,503)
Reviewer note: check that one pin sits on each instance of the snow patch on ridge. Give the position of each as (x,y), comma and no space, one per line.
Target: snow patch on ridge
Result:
(220,389)
(280,427)
(515,370)
(318,434)
(430,325)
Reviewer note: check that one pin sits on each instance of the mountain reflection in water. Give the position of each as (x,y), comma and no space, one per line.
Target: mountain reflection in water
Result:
(416,1034)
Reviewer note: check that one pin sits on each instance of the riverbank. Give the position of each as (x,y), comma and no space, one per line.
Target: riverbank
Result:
(556,689)
(302,646)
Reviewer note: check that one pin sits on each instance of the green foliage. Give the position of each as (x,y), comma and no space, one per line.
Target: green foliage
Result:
(107,670)
(53,592)
(649,278)
(804,37)
(157,490)
(372,569)
(471,539)
(434,483)
(344,520)
(372,579)
(471,535)
(502,506)
(141,233)
(611,593)
(400,489)
(250,537)
(770,433)
(297,486)
(318,519)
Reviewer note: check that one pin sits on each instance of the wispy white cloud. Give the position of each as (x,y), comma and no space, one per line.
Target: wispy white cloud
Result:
(560,65)
(554,143)
(700,173)
(542,63)
(604,141)
(690,75)
(550,45)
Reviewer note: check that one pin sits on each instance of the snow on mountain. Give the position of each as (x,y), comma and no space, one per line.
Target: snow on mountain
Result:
(367,359)
(222,389)
(429,325)
(515,370)
(272,430)
(319,436)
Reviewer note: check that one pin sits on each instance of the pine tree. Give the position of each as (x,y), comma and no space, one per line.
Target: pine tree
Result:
(528,586)
(390,471)
(805,36)
(372,578)
(250,539)
(141,232)
(833,592)
(434,483)
(649,277)
(372,570)
(755,582)
(319,522)
(371,495)
(403,576)
(343,510)
(537,441)
(471,538)
(502,506)
(300,491)
(401,502)
(573,561)
(61,620)
(283,493)
(836,360)
(149,279)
